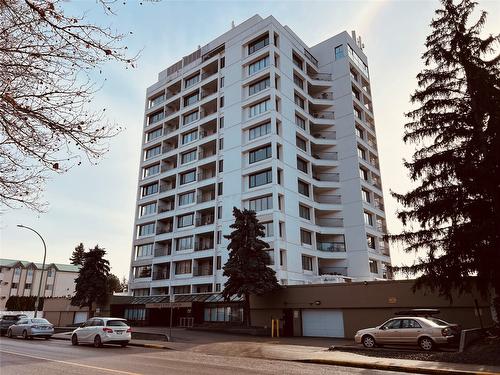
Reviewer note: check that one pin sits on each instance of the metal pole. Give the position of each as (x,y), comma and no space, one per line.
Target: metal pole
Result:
(171,313)
(43,265)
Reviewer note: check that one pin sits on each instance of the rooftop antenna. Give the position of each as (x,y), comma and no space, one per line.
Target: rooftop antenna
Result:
(360,43)
(353,34)
(232,24)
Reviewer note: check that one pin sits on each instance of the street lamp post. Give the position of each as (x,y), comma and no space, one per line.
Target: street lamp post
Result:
(43,264)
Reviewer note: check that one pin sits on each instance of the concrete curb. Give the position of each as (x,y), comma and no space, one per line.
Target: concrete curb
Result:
(139,345)
(380,366)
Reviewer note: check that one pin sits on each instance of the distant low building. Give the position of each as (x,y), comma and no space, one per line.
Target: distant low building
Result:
(21,278)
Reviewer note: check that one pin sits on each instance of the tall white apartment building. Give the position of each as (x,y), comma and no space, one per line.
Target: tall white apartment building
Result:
(258,119)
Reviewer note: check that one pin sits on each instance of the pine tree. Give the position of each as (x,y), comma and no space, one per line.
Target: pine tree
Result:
(452,218)
(77,256)
(246,267)
(92,280)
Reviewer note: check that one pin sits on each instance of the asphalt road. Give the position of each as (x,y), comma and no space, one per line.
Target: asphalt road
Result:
(54,357)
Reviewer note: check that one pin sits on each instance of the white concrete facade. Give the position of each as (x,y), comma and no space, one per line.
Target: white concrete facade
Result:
(269,124)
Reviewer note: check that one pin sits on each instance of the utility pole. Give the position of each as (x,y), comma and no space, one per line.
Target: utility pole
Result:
(172,298)
(43,265)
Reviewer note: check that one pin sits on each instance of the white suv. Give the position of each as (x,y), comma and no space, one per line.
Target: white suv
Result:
(102,331)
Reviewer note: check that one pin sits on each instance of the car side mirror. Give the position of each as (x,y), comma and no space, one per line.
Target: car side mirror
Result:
(383,328)
(82,325)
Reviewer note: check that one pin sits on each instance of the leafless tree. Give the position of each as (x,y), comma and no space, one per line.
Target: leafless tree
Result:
(48,67)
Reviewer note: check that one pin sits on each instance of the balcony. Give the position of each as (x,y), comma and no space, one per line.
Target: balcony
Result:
(331,247)
(328,198)
(320,76)
(330,222)
(325,155)
(323,96)
(165,229)
(169,206)
(205,220)
(333,177)
(203,270)
(206,174)
(327,115)
(162,251)
(324,135)
(167,187)
(161,275)
(205,197)
(204,245)
(203,154)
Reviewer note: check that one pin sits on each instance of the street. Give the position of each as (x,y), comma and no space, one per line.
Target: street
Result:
(19,357)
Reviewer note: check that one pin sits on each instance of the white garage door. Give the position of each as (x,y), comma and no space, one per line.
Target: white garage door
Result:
(323,323)
(80,317)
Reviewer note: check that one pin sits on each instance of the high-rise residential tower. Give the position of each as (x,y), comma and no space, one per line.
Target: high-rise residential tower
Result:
(258,119)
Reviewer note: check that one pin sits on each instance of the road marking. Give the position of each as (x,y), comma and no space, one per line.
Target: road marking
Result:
(71,363)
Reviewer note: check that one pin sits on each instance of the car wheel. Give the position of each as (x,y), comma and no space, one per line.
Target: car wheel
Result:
(74,340)
(9,334)
(47,337)
(426,343)
(368,341)
(97,341)
(123,345)
(25,335)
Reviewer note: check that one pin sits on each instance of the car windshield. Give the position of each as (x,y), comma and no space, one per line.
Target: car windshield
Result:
(438,322)
(116,323)
(39,321)
(9,318)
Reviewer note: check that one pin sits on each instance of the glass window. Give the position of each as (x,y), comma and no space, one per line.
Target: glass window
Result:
(260,154)
(303,188)
(261,204)
(259,131)
(302,165)
(260,108)
(297,61)
(359,132)
(307,263)
(191,81)
(302,144)
(156,100)
(373,266)
(188,157)
(188,177)
(299,101)
(304,212)
(186,198)
(363,174)
(300,122)
(152,152)
(146,229)
(259,86)
(155,117)
(183,267)
(392,324)
(221,82)
(258,65)
(361,153)
(190,117)
(30,272)
(148,209)
(185,220)
(190,137)
(357,60)
(191,99)
(261,178)
(298,81)
(154,134)
(410,323)
(258,44)
(185,243)
(366,195)
(151,170)
(149,189)
(370,241)
(339,52)
(357,113)
(305,237)
(143,271)
(368,218)
(144,250)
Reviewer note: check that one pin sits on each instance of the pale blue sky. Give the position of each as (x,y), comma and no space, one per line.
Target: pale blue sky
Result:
(95,204)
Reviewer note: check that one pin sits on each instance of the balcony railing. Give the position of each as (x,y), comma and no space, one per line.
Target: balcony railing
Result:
(203,271)
(162,251)
(328,198)
(167,229)
(206,133)
(310,57)
(205,175)
(168,148)
(166,168)
(333,177)
(321,76)
(200,246)
(203,154)
(205,220)
(328,115)
(165,208)
(325,155)
(329,271)
(324,135)
(324,96)
(161,275)
(332,247)
(207,74)
(207,197)
(204,94)
(330,222)
(164,188)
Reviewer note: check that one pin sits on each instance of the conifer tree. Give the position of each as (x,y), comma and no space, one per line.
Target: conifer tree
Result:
(452,217)
(246,268)
(77,256)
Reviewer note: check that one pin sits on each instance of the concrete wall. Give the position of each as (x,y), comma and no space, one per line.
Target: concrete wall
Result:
(60,312)
(367,304)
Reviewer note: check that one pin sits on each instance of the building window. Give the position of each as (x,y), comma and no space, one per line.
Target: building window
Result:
(190,117)
(191,81)
(30,272)
(152,152)
(261,204)
(366,195)
(219,212)
(185,220)
(221,82)
(359,132)
(146,229)
(298,81)
(304,212)
(136,314)
(297,61)
(189,137)
(154,134)
(361,153)
(15,285)
(339,52)
(259,131)
(260,108)
(155,117)
(183,267)
(221,166)
(221,102)
(299,101)
(188,157)
(303,188)
(357,113)
(221,143)
(220,188)
(185,243)
(368,218)
(142,271)
(156,100)
(259,154)
(150,171)
(307,263)
(142,251)
(363,174)
(219,237)
(191,99)
(222,62)
(258,44)
(50,272)
(357,60)
(305,237)
(27,286)
(188,177)
(221,123)
(370,241)
(149,189)
(148,209)
(302,165)
(258,65)
(300,122)
(186,198)
(373,266)
(268,229)
(219,262)
(260,178)
(302,144)
(259,86)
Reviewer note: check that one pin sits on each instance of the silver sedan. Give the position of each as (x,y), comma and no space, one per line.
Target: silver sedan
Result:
(29,328)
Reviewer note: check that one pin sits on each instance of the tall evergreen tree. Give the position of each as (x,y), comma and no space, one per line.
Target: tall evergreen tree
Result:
(452,218)
(77,256)
(92,280)
(246,267)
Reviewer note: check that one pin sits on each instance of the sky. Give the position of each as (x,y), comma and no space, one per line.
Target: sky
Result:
(95,204)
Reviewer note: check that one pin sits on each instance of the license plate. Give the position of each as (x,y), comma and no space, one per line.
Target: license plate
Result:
(119,332)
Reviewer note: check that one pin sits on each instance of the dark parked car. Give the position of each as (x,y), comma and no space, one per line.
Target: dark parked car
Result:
(7,320)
